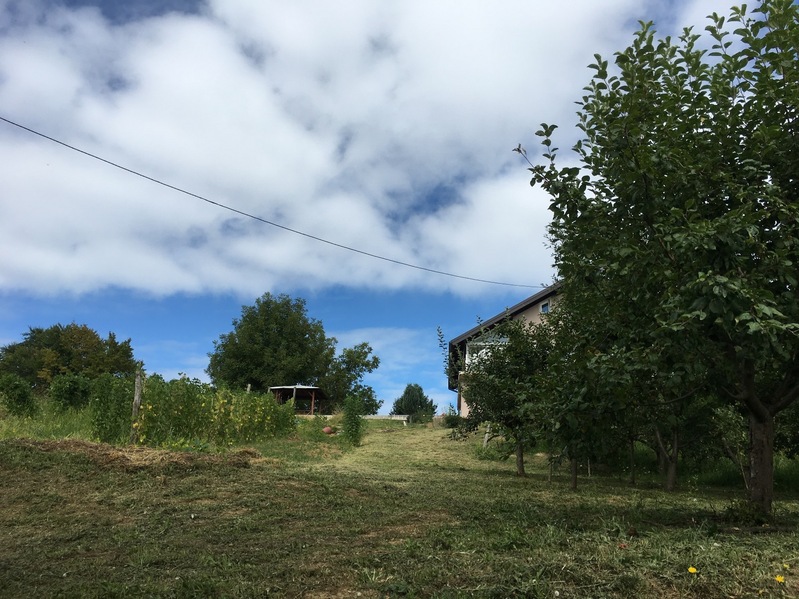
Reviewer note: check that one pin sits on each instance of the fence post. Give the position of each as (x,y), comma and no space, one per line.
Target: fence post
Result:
(134,432)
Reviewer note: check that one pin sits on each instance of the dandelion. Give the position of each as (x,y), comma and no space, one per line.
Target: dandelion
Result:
(692,570)
(779,578)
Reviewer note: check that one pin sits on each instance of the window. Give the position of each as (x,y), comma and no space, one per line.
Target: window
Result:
(545,308)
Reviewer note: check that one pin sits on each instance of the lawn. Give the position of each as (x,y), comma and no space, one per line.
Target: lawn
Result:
(409,513)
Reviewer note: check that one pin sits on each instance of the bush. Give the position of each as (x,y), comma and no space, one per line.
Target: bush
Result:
(353,423)
(451,419)
(70,391)
(111,403)
(17,395)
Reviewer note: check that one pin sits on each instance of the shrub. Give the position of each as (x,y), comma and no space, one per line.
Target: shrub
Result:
(70,391)
(17,395)
(111,404)
(451,419)
(352,424)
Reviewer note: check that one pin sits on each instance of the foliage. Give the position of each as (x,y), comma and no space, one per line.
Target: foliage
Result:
(345,375)
(678,238)
(451,419)
(17,395)
(503,382)
(787,437)
(273,343)
(70,391)
(353,423)
(189,412)
(414,403)
(111,404)
(43,354)
(276,343)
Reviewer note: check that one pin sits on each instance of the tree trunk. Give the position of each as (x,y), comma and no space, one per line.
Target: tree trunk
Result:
(632,462)
(520,459)
(662,460)
(735,458)
(670,483)
(670,458)
(761,462)
(573,464)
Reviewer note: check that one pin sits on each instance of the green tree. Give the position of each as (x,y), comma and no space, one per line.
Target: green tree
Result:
(45,353)
(503,382)
(344,377)
(414,403)
(679,235)
(275,342)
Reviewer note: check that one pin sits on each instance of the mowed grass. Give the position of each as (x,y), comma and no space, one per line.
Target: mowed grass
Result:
(409,513)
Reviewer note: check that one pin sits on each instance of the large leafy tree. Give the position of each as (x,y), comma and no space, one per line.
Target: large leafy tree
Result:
(275,342)
(344,377)
(45,353)
(414,403)
(678,238)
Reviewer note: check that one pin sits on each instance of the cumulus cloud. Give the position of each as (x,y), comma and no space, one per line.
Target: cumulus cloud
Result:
(385,127)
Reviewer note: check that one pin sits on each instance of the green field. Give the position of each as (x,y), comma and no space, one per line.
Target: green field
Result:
(409,513)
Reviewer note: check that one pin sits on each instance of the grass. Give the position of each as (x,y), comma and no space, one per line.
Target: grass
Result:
(410,513)
(50,422)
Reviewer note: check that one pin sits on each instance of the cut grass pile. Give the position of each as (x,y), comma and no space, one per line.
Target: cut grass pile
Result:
(409,513)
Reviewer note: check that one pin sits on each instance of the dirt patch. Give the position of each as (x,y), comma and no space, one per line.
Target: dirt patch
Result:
(131,458)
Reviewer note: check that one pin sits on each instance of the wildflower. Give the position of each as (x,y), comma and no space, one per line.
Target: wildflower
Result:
(692,570)
(786,567)
(779,578)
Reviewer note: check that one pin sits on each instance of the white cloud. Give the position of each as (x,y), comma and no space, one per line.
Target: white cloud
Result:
(342,120)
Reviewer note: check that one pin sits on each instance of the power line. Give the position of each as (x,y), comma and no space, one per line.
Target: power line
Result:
(261,219)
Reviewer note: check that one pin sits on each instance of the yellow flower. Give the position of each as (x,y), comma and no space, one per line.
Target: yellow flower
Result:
(785,566)
(692,570)
(779,578)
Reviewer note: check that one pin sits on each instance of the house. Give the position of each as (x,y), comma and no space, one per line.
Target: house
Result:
(307,400)
(465,347)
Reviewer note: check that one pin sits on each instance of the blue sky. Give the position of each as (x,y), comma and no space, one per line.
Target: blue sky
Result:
(386,127)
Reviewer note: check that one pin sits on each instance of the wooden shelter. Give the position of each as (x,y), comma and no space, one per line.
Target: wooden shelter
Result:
(307,400)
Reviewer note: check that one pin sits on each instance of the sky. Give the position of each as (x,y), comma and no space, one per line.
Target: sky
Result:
(355,154)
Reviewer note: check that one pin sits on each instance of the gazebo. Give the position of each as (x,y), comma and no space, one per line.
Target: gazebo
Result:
(307,400)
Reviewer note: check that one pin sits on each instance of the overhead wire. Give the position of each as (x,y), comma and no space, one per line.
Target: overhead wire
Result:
(261,219)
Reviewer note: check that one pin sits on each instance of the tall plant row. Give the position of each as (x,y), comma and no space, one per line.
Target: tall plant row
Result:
(185,412)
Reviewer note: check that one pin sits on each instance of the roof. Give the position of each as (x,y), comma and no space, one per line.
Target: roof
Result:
(509,313)
(293,387)
(300,388)
(481,328)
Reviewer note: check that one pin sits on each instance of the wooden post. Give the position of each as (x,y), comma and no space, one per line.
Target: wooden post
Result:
(249,386)
(134,431)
